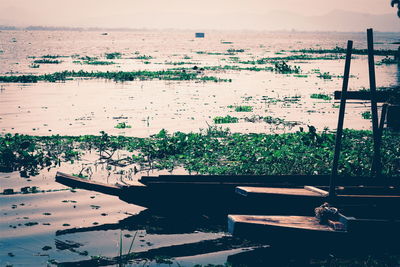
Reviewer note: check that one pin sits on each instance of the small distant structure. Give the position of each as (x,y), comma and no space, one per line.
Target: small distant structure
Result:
(199,34)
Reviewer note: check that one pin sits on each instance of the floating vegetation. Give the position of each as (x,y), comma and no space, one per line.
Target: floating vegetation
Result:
(242,108)
(286,99)
(341,50)
(28,154)
(303,57)
(212,53)
(233,67)
(143,57)
(119,76)
(212,151)
(52,56)
(366,115)
(179,63)
(226,119)
(96,62)
(388,61)
(34,66)
(321,96)
(325,76)
(46,61)
(283,67)
(122,125)
(87,58)
(271,120)
(232,50)
(115,55)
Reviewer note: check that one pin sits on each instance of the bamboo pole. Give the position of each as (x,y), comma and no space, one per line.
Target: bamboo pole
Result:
(339,131)
(376,162)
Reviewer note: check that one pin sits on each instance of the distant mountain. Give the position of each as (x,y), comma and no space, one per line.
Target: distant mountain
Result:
(338,20)
(350,21)
(273,21)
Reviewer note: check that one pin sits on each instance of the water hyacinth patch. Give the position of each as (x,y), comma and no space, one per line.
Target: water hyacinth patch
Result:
(242,108)
(114,55)
(117,76)
(46,61)
(366,115)
(211,151)
(321,96)
(122,125)
(226,119)
(342,50)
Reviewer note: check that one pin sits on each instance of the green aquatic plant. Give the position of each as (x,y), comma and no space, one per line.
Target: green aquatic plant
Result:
(122,125)
(96,62)
(321,96)
(303,57)
(210,151)
(52,56)
(388,61)
(226,119)
(179,63)
(232,50)
(341,50)
(366,115)
(114,55)
(87,58)
(143,57)
(325,76)
(283,67)
(117,76)
(34,66)
(46,61)
(242,108)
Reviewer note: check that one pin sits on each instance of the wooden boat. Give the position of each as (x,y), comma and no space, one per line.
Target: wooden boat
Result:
(306,231)
(197,193)
(311,196)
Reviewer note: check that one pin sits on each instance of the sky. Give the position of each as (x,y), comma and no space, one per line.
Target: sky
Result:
(181,14)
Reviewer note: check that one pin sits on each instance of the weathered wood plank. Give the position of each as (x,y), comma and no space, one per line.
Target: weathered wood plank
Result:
(77,182)
(381,96)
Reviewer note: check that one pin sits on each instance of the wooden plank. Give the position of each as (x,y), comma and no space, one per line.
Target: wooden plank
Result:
(251,191)
(77,182)
(316,190)
(381,96)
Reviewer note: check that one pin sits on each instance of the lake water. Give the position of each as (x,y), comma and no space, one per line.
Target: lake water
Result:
(31,223)
(89,106)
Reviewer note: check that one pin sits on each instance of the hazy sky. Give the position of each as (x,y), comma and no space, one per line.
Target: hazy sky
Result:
(170,13)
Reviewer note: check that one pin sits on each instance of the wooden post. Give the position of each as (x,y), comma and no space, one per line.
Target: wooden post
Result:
(374,110)
(374,169)
(339,131)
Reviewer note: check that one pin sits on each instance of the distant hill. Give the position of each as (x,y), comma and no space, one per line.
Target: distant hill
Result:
(338,20)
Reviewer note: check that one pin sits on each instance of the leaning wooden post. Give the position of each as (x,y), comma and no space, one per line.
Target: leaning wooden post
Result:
(376,162)
(339,131)
(381,126)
